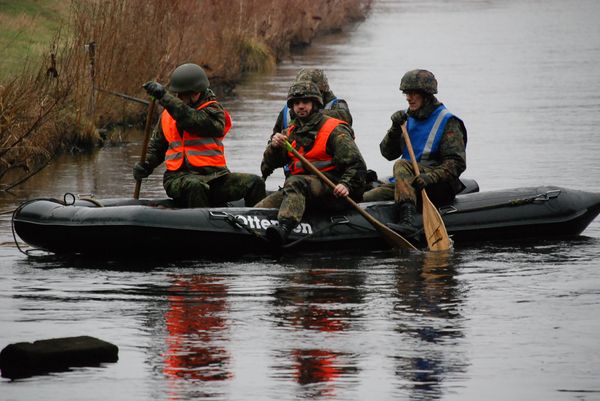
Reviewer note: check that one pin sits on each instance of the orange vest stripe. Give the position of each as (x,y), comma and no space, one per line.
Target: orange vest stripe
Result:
(199,151)
(317,155)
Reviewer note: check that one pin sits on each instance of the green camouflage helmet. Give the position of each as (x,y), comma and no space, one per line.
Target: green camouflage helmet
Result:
(419,80)
(304,90)
(315,75)
(188,78)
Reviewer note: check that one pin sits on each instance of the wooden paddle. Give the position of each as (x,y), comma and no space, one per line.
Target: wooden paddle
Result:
(433,225)
(147,130)
(392,237)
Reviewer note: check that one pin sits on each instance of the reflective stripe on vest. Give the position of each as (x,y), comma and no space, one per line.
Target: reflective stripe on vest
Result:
(287,117)
(425,135)
(199,151)
(317,155)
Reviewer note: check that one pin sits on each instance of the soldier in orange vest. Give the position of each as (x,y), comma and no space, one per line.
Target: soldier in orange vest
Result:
(189,139)
(326,142)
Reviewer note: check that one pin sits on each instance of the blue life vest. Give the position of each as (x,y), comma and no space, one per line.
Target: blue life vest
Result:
(287,116)
(426,135)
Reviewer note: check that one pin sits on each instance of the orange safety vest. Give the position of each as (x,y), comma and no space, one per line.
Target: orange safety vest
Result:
(318,154)
(199,151)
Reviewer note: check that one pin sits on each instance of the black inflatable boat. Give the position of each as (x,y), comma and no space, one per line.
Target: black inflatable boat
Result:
(128,227)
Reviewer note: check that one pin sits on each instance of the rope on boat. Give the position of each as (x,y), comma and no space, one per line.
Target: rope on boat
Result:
(237,223)
(539,198)
(333,224)
(84,197)
(17,210)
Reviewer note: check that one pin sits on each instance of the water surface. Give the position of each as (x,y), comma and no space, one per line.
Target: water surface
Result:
(492,321)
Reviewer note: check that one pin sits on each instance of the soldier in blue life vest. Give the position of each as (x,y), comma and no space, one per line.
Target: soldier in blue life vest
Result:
(439,141)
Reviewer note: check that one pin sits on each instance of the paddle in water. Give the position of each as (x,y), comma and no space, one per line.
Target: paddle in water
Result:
(392,237)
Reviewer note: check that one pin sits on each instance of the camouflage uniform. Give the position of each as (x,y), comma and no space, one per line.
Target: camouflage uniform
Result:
(449,164)
(339,110)
(306,190)
(200,186)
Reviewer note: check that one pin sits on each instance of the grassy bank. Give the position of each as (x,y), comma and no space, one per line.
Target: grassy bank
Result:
(59,55)
(27,28)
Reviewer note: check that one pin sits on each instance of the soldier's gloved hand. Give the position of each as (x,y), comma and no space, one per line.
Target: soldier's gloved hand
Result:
(154,89)
(399,118)
(421,181)
(141,171)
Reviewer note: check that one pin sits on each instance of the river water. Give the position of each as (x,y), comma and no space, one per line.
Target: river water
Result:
(493,321)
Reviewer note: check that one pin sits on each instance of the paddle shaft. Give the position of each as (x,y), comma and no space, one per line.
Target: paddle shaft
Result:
(393,238)
(433,225)
(147,130)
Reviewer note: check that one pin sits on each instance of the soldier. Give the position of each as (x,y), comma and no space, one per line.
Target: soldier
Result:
(333,107)
(439,140)
(328,143)
(189,138)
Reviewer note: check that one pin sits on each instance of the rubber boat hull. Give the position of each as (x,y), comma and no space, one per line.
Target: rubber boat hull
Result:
(128,227)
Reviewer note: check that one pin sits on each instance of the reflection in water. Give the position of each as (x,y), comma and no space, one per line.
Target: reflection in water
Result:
(320,301)
(428,312)
(197,324)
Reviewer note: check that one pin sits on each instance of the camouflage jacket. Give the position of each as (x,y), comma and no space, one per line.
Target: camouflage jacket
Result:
(208,122)
(340,110)
(351,168)
(451,157)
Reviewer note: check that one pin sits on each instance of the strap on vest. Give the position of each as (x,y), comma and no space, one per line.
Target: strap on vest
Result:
(431,137)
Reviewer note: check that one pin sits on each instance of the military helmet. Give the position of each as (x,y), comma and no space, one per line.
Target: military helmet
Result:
(419,80)
(188,78)
(315,75)
(304,90)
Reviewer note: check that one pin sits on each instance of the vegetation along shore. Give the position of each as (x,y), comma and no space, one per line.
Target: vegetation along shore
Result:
(71,70)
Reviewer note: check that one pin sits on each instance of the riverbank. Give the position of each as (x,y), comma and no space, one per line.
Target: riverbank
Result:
(60,103)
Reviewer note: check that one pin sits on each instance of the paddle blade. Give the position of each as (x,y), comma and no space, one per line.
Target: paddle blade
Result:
(434,228)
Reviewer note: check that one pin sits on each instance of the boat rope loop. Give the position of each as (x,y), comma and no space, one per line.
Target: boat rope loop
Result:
(539,198)
(70,199)
(28,252)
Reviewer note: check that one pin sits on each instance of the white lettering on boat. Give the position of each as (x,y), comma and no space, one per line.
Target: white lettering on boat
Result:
(258,223)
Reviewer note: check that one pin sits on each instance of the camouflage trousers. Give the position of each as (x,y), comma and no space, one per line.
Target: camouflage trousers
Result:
(301,192)
(193,190)
(402,191)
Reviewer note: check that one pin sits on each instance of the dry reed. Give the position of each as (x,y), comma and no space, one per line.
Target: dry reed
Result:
(134,41)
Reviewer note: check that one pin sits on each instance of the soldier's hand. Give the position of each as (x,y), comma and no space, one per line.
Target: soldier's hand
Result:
(141,171)
(154,89)
(421,181)
(399,118)
(278,140)
(341,191)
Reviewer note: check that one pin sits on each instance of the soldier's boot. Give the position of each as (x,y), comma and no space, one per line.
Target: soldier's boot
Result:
(407,212)
(277,235)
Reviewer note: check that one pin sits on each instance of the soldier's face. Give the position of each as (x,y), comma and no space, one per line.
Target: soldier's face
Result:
(302,107)
(414,99)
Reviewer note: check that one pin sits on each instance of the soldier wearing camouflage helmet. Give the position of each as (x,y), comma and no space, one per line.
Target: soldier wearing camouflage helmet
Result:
(328,143)
(332,106)
(439,141)
(189,139)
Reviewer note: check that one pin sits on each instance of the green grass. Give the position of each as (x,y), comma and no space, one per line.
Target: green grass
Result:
(27,29)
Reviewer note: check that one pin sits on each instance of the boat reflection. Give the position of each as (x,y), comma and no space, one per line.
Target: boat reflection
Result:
(427,309)
(320,301)
(196,322)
